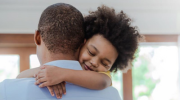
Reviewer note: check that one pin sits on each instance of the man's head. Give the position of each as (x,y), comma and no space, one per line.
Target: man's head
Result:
(60,30)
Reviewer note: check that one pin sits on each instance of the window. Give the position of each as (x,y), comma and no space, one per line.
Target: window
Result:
(117,82)
(155,73)
(34,62)
(9,68)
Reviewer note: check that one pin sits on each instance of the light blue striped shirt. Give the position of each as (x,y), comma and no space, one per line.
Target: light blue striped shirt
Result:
(24,89)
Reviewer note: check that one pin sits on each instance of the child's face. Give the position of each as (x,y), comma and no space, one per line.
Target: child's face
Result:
(97,54)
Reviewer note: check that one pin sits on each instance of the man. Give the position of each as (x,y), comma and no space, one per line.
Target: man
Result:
(58,38)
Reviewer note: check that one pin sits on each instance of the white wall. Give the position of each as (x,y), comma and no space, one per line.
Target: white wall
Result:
(151,16)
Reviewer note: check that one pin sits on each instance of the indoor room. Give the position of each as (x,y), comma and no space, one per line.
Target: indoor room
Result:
(155,71)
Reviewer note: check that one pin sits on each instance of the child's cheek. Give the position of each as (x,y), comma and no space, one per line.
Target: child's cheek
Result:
(82,58)
(85,57)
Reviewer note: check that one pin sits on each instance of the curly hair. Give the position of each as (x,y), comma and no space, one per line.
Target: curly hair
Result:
(117,29)
(62,28)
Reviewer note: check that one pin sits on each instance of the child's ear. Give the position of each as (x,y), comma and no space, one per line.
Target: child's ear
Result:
(37,38)
(84,41)
(82,44)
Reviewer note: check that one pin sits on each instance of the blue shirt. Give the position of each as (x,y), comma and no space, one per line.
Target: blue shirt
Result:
(24,89)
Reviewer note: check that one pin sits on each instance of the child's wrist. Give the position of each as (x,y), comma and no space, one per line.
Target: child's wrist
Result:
(66,74)
(62,74)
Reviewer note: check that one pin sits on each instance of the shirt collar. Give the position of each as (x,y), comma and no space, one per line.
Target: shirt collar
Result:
(68,64)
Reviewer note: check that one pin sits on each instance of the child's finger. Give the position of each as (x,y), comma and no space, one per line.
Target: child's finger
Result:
(40,75)
(41,80)
(60,90)
(43,84)
(50,90)
(63,88)
(56,91)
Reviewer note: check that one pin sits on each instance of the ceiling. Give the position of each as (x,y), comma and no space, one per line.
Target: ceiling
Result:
(150,16)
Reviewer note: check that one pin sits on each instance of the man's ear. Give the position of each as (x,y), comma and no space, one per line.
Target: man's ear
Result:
(37,38)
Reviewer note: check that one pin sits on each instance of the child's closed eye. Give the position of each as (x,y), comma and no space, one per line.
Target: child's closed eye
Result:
(104,64)
(92,54)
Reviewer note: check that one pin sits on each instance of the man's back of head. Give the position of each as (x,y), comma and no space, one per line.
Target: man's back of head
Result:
(61,28)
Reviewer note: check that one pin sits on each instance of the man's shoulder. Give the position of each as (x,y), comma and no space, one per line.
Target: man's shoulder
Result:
(15,88)
(13,81)
(109,93)
(17,84)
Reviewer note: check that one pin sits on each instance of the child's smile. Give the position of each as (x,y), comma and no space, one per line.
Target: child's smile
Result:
(86,67)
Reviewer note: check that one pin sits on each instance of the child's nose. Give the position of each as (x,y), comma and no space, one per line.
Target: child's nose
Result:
(94,63)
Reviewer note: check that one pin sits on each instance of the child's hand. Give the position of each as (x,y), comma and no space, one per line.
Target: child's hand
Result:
(47,76)
(58,89)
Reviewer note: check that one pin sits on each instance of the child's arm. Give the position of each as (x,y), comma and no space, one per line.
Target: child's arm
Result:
(88,79)
(51,75)
(29,73)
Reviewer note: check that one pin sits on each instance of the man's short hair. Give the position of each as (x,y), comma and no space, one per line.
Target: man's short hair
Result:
(61,28)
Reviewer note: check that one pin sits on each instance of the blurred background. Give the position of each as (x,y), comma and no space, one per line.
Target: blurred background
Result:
(156,71)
